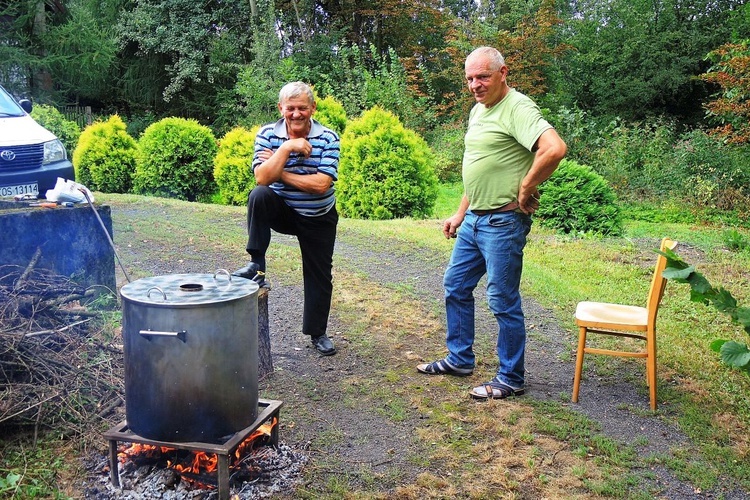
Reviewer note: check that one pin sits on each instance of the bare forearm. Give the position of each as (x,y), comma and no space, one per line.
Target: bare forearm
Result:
(272,169)
(311,183)
(463,206)
(550,151)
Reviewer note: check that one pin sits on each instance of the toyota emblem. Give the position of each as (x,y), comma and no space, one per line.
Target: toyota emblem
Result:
(7,155)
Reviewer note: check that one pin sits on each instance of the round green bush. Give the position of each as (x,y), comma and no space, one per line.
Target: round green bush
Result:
(175,159)
(50,118)
(233,168)
(331,113)
(105,157)
(386,171)
(575,199)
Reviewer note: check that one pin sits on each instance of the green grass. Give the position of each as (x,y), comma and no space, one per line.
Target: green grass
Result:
(560,271)
(28,471)
(448,199)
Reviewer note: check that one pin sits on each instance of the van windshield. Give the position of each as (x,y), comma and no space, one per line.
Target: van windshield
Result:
(8,105)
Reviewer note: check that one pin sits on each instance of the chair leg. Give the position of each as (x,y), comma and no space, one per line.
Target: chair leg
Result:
(651,369)
(579,362)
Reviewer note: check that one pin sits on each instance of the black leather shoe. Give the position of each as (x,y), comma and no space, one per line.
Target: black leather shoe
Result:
(252,271)
(324,345)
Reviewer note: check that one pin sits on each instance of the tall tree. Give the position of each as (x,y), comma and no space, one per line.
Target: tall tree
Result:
(636,58)
(184,53)
(82,53)
(23,63)
(731,108)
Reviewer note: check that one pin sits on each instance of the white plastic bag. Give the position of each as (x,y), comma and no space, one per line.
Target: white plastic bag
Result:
(67,190)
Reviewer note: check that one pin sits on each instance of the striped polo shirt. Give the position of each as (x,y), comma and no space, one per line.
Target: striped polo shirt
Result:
(324,158)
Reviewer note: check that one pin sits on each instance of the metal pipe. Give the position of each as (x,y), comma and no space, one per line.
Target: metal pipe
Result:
(109,238)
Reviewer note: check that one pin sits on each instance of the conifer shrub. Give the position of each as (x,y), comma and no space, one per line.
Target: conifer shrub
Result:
(233,168)
(105,157)
(331,113)
(50,118)
(386,171)
(577,200)
(175,159)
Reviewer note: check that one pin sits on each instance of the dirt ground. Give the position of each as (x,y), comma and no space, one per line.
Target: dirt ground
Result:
(314,404)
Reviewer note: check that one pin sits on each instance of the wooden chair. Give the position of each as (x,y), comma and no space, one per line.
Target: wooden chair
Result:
(624,321)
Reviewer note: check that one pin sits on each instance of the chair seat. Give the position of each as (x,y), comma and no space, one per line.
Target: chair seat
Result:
(602,314)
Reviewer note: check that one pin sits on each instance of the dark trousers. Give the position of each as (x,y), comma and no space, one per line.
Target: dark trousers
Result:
(316,236)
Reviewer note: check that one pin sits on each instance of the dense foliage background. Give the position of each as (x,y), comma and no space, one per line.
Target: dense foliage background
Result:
(652,95)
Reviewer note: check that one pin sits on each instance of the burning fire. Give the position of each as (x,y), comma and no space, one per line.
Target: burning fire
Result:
(199,463)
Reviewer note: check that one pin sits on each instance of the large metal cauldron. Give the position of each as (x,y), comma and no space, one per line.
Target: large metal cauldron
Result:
(191,356)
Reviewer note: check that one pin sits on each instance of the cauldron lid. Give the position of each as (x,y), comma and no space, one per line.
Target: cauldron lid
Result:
(188,289)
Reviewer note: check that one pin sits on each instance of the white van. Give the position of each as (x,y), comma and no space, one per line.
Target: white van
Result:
(31,157)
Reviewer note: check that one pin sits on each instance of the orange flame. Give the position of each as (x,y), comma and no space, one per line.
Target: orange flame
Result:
(202,462)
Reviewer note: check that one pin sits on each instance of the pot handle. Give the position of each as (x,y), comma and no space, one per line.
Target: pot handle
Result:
(147,334)
(148,293)
(223,271)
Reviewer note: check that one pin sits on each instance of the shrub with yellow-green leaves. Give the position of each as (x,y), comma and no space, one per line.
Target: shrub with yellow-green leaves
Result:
(331,113)
(50,118)
(233,165)
(105,157)
(386,171)
(176,159)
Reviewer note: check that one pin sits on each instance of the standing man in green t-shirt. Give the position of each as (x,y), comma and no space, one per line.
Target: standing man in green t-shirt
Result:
(509,150)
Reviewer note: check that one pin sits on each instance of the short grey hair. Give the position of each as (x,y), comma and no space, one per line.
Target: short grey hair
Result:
(294,90)
(496,59)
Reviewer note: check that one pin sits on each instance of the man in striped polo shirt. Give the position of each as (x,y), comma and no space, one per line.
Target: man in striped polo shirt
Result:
(295,166)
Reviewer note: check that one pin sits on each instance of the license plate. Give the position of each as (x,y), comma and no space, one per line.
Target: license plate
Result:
(31,188)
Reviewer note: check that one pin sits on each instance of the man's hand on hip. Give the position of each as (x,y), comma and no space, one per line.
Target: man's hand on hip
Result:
(528,200)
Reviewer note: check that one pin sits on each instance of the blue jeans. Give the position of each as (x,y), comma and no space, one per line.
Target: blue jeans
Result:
(491,244)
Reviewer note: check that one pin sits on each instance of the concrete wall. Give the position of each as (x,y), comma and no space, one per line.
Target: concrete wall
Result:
(71,240)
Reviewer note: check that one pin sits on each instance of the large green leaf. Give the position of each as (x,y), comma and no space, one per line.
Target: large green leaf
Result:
(724,302)
(743,317)
(736,354)
(716,344)
(679,275)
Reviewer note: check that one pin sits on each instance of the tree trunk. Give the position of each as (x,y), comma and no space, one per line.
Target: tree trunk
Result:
(42,79)
(265,363)
(302,32)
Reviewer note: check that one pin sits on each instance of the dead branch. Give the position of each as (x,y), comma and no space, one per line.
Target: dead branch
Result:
(57,368)
(32,264)
(58,330)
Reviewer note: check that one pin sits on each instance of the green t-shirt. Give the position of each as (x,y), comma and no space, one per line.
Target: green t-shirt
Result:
(497,152)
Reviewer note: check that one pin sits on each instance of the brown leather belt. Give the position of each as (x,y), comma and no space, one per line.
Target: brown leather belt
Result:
(505,208)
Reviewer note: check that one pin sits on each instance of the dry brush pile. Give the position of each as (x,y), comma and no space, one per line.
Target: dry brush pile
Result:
(57,368)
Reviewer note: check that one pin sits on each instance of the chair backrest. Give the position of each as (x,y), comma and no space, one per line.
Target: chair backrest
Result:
(658,283)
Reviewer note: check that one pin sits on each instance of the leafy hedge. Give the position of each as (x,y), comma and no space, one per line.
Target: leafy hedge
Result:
(175,159)
(233,165)
(575,199)
(105,157)
(50,118)
(331,113)
(386,171)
